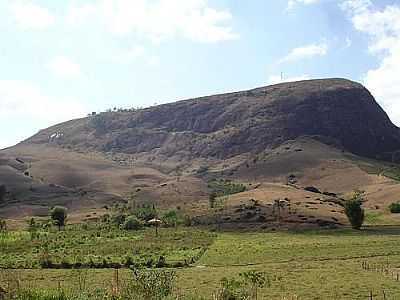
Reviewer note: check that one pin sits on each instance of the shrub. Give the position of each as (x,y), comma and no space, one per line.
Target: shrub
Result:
(255,280)
(354,211)
(231,289)
(129,261)
(394,208)
(161,262)
(150,285)
(3,225)
(65,263)
(244,288)
(118,219)
(132,223)
(146,212)
(171,218)
(105,218)
(59,216)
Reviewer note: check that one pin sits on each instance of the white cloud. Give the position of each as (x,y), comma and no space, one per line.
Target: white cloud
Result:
(274,79)
(353,7)
(293,3)
(31,16)
(383,28)
(349,43)
(25,109)
(305,52)
(158,20)
(20,99)
(64,67)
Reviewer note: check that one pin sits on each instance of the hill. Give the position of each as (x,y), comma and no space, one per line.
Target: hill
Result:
(274,141)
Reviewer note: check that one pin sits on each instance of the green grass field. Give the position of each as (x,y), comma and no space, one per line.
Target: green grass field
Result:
(299,265)
(100,247)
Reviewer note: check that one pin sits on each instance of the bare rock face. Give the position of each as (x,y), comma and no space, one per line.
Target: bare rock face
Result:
(332,110)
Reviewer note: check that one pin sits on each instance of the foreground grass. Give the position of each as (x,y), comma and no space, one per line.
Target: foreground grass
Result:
(306,265)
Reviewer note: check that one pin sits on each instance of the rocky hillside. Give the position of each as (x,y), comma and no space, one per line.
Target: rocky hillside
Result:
(306,143)
(333,110)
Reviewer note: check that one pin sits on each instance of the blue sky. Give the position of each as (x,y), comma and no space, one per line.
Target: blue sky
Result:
(63,59)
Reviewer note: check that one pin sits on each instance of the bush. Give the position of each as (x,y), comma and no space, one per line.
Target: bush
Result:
(151,285)
(394,208)
(354,211)
(118,219)
(244,288)
(59,216)
(146,212)
(171,218)
(129,261)
(132,223)
(3,225)
(231,289)
(161,262)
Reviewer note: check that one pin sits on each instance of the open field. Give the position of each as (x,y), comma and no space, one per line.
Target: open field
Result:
(328,264)
(100,247)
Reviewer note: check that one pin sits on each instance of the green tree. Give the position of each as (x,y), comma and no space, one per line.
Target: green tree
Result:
(132,223)
(59,216)
(354,211)
(146,212)
(170,218)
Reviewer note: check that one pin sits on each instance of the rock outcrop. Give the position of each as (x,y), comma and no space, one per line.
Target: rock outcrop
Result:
(332,110)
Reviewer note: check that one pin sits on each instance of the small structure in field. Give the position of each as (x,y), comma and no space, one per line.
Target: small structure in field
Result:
(156,223)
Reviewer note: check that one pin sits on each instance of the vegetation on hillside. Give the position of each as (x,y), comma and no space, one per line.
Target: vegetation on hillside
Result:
(223,187)
(394,208)
(354,211)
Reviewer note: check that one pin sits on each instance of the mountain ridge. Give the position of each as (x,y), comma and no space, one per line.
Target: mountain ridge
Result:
(234,123)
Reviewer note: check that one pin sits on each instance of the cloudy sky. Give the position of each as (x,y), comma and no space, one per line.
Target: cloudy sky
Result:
(63,59)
